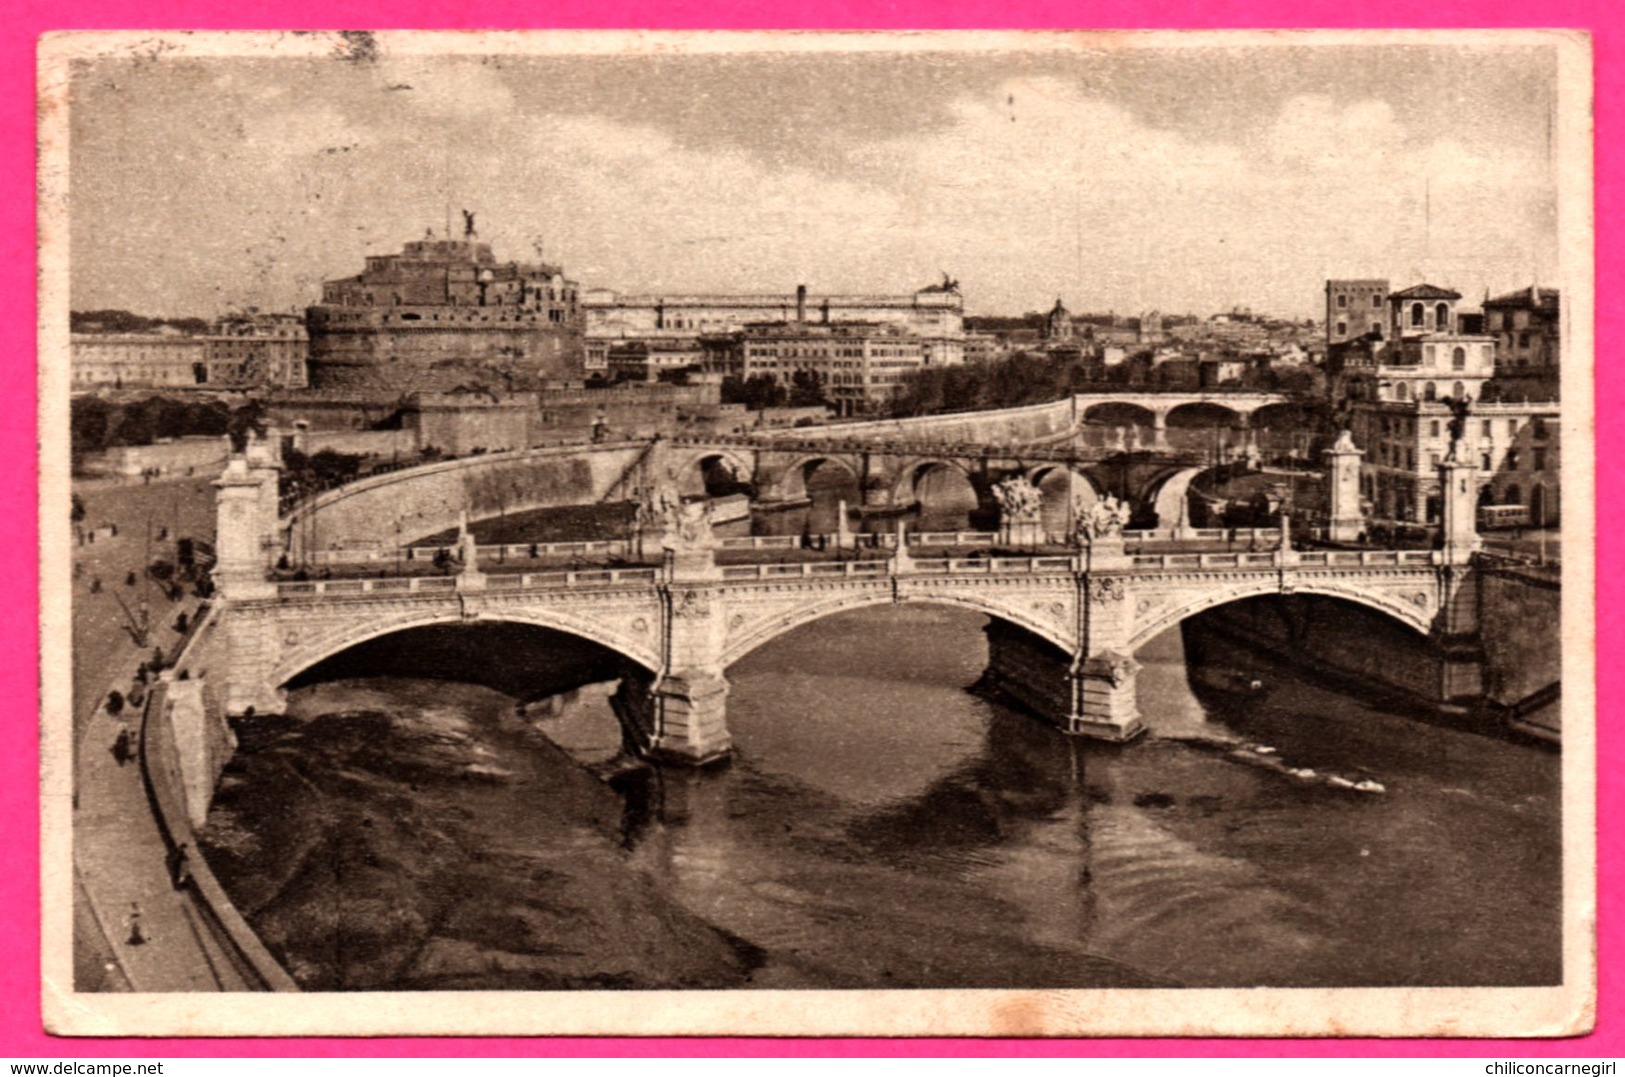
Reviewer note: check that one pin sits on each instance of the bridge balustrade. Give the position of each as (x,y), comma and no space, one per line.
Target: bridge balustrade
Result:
(805,568)
(1134,540)
(764,542)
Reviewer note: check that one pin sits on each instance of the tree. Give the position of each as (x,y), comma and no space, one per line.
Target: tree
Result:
(90,422)
(807,390)
(756,392)
(115,702)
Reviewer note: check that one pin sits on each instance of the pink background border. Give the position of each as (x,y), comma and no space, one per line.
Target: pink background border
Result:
(22,21)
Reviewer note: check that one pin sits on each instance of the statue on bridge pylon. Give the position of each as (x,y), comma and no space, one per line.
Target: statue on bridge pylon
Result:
(1102,519)
(685,530)
(1020,505)
(1099,532)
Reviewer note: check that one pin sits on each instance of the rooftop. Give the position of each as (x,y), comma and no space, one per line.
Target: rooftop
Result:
(1532,296)
(1425,291)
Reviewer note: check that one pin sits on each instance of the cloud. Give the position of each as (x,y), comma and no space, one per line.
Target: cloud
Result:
(1047,190)
(1029,189)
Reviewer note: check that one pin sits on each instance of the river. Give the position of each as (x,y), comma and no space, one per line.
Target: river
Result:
(882,826)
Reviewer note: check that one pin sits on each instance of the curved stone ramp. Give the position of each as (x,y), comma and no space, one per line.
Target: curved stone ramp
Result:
(235,956)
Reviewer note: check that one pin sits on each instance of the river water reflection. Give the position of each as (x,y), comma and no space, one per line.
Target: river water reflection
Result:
(882,826)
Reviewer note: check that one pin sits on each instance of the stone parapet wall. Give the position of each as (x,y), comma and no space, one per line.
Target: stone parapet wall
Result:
(1520,618)
(1034,422)
(427,500)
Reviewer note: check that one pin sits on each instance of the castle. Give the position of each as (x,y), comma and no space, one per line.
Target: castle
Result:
(444,314)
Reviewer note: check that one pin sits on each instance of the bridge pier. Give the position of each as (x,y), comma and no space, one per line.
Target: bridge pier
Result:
(675,718)
(1159,430)
(1107,698)
(1093,697)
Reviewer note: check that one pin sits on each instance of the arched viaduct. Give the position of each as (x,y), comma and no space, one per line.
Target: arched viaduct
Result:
(885,462)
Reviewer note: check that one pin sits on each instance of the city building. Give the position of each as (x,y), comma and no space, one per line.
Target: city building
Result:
(445,314)
(858,364)
(257,351)
(647,360)
(1355,308)
(1404,387)
(1514,448)
(983,347)
(934,315)
(1527,328)
(162,360)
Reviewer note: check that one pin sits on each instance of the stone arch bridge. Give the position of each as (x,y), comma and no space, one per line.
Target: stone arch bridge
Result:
(887,462)
(1062,635)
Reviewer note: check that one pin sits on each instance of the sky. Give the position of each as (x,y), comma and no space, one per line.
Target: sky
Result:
(1109,174)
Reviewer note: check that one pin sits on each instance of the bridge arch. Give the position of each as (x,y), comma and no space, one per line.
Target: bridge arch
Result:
(702,472)
(307,651)
(951,472)
(1046,626)
(1205,413)
(1119,413)
(793,478)
(1168,496)
(1417,617)
(1062,486)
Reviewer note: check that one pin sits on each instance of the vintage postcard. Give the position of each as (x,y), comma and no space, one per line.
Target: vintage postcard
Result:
(954,534)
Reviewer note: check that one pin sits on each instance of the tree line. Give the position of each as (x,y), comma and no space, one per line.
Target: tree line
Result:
(96,424)
(122,321)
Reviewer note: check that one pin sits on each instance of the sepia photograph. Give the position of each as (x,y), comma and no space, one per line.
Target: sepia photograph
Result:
(957,533)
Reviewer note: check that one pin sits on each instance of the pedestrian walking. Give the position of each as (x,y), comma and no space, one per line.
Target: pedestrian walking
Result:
(95,585)
(180,866)
(137,937)
(123,750)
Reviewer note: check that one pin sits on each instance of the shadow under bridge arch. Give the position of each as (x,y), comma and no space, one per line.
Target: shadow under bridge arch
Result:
(1167,497)
(714,473)
(526,656)
(813,473)
(1051,616)
(1413,606)
(942,489)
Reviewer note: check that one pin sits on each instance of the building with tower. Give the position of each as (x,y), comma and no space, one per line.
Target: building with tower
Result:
(445,314)
(1403,389)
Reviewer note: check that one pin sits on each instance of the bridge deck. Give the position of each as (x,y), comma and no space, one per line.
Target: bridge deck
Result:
(645,577)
